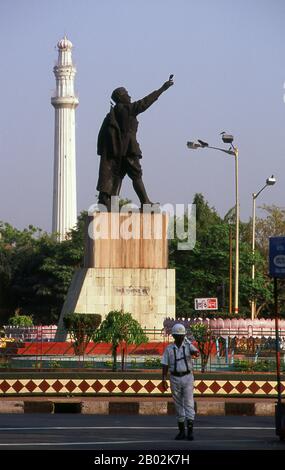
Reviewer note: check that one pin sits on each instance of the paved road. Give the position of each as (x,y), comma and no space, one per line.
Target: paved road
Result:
(94,432)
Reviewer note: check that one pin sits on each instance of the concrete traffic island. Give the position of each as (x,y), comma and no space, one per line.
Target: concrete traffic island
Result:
(133,406)
(138,392)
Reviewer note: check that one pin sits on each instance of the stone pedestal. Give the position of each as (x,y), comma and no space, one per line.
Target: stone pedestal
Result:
(125,269)
(123,240)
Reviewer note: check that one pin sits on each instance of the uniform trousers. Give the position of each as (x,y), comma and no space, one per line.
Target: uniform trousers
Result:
(182,393)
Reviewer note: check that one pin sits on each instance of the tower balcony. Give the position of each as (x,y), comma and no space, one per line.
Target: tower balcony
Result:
(64,101)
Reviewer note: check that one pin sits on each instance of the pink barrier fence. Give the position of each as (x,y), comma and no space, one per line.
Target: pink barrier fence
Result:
(257,328)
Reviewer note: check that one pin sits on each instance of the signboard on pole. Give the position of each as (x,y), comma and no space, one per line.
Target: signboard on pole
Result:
(206,304)
(277,257)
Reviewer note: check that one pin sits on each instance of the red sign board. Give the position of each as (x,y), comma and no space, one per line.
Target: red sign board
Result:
(206,304)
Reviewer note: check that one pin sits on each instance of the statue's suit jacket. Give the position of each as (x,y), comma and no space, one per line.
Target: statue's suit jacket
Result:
(117,139)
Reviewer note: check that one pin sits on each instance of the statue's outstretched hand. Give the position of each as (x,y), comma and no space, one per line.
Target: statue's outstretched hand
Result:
(168,84)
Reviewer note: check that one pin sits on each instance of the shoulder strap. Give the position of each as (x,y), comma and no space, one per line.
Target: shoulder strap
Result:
(175,360)
(185,360)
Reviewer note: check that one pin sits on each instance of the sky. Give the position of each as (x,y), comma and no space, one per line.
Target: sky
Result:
(228,61)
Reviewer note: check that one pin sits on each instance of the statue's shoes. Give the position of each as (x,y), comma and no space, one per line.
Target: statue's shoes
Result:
(150,207)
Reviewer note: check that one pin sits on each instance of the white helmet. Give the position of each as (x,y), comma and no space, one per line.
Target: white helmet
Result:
(178,329)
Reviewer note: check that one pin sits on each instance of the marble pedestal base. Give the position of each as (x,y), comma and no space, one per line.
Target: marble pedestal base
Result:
(148,294)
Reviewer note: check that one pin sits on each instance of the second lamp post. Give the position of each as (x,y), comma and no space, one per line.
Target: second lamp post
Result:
(269,182)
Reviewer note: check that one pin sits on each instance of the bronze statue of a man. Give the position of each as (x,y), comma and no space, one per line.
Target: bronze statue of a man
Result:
(118,146)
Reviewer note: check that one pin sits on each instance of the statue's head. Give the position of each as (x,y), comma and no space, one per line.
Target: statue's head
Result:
(121,95)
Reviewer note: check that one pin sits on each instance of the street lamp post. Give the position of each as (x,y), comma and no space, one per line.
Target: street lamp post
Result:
(269,182)
(231,271)
(236,304)
(228,139)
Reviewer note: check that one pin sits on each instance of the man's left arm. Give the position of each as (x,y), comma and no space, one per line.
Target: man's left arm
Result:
(195,352)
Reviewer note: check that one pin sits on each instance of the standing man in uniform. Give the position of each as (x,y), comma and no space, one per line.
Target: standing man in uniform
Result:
(118,146)
(177,358)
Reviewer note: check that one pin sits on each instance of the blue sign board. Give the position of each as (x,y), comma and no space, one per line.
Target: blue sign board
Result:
(277,257)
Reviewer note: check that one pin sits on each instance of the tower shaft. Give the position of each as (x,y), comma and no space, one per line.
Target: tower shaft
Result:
(64,215)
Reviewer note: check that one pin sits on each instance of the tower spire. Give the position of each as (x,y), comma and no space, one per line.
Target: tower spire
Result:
(64,214)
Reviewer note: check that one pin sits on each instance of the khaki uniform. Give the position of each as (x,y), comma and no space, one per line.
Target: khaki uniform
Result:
(180,366)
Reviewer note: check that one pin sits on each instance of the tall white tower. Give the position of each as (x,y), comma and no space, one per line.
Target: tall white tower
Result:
(64,214)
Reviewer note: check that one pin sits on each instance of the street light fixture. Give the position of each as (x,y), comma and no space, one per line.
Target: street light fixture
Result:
(232,150)
(269,182)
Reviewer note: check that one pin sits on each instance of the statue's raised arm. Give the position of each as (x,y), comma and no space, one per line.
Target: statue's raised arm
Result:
(142,105)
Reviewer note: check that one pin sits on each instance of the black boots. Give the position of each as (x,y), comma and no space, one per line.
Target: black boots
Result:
(190,430)
(181,435)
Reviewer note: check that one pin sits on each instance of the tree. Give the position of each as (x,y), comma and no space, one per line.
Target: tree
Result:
(202,334)
(205,215)
(273,225)
(81,327)
(119,327)
(201,271)
(36,270)
(261,289)
(196,270)
(204,271)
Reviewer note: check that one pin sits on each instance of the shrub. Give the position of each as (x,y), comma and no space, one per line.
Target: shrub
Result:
(108,363)
(55,364)
(120,328)
(242,365)
(152,362)
(259,366)
(88,364)
(21,320)
(81,327)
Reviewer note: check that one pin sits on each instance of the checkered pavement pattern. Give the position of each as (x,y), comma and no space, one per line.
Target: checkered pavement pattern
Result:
(236,387)
(136,387)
